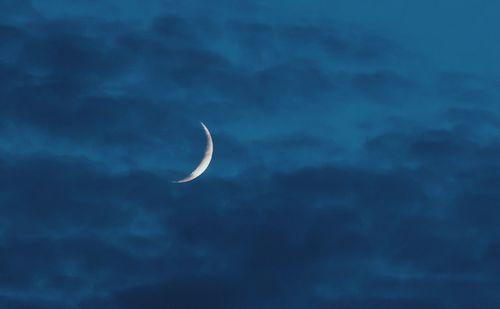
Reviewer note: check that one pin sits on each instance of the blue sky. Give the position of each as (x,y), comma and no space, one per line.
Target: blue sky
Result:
(355,164)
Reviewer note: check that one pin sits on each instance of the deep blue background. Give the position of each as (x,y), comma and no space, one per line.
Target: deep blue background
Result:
(356,158)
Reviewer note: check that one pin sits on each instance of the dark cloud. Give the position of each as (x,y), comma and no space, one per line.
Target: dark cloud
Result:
(14,11)
(242,248)
(345,173)
(384,86)
(467,87)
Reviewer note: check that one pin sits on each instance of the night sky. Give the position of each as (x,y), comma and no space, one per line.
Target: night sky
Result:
(356,154)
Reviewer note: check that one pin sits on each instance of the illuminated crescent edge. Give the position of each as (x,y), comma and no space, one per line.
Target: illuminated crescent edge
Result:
(204,162)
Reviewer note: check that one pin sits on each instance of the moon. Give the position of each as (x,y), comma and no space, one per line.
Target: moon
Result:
(204,162)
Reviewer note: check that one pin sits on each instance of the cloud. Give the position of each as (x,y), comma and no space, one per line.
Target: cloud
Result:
(283,240)
(330,187)
(467,87)
(383,86)
(110,91)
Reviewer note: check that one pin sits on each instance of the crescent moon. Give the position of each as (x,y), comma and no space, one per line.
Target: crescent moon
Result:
(204,162)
